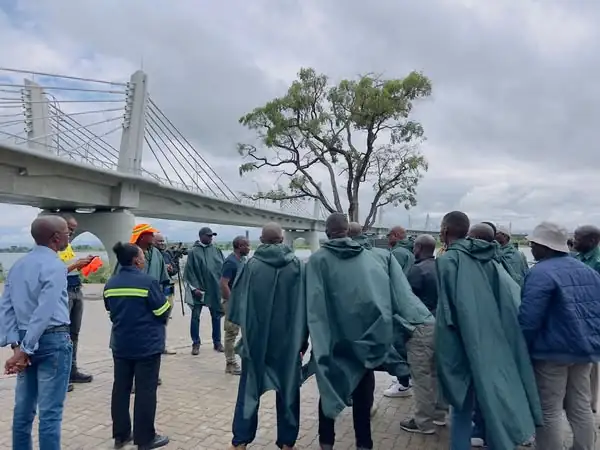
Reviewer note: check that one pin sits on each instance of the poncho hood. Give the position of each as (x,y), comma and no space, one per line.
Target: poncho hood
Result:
(364,241)
(482,251)
(275,255)
(343,248)
(408,244)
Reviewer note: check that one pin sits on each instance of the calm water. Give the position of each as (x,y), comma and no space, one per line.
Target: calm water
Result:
(8,259)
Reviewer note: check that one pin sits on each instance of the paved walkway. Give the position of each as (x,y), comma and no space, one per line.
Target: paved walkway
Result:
(196,400)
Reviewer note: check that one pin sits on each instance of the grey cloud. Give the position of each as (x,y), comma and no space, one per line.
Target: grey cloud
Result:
(504,88)
(494,90)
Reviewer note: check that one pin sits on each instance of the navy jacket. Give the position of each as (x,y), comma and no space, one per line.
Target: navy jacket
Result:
(423,280)
(138,310)
(560,311)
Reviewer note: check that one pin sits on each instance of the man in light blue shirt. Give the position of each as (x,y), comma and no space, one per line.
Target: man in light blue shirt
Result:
(34,321)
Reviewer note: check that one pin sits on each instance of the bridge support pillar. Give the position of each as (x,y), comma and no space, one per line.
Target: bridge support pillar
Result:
(289,238)
(310,237)
(109,227)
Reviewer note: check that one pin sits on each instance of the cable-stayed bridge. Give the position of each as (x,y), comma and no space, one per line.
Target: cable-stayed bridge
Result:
(105,151)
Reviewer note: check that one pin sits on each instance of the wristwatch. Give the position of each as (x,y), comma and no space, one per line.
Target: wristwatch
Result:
(15,345)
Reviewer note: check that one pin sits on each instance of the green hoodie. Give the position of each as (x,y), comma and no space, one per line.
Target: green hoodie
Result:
(268,303)
(351,319)
(203,271)
(479,343)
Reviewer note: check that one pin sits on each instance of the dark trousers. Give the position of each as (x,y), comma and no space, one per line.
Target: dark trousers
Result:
(362,402)
(75,315)
(145,372)
(478,422)
(195,325)
(244,429)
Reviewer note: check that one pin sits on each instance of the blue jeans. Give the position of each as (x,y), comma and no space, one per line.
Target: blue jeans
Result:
(244,429)
(462,424)
(43,385)
(195,325)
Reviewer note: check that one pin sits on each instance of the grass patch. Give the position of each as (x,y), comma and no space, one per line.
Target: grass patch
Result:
(101,276)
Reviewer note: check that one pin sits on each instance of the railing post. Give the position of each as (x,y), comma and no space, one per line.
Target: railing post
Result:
(37,117)
(134,124)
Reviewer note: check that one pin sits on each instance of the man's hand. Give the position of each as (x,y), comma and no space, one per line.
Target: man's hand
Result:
(82,262)
(18,362)
(169,268)
(198,293)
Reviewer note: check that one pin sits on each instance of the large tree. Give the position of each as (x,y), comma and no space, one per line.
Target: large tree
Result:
(353,133)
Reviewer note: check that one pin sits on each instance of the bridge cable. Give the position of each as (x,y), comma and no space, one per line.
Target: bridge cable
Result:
(180,148)
(177,135)
(150,126)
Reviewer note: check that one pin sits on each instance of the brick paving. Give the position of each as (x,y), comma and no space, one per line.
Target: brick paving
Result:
(196,400)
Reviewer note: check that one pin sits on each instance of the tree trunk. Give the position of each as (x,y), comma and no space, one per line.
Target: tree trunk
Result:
(353,211)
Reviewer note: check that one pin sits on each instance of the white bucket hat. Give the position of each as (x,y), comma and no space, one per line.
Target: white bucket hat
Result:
(550,235)
(504,230)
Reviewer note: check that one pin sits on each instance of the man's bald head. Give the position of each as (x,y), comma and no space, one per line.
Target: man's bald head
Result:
(492,225)
(336,226)
(455,225)
(586,238)
(482,231)
(395,235)
(355,229)
(50,231)
(271,234)
(424,246)
(159,241)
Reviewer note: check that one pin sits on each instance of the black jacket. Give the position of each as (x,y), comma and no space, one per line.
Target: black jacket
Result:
(138,310)
(422,277)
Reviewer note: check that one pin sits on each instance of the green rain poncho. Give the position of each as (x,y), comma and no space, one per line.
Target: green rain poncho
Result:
(155,266)
(403,253)
(408,310)
(352,318)
(268,303)
(590,259)
(479,343)
(203,271)
(516,260)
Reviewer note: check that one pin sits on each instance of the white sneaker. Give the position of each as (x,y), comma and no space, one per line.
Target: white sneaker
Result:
(396,390)
(477,442)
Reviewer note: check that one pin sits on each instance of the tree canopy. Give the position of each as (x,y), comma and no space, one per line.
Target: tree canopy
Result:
(353,133)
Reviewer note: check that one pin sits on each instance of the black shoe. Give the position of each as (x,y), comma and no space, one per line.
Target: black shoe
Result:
(78,377)
(159,381)
(120,443)
(219,348)
(411,426)
(70,388)
(195,349)
(159,441)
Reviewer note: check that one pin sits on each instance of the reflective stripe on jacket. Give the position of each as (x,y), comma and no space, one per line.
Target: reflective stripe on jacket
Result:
(138,310)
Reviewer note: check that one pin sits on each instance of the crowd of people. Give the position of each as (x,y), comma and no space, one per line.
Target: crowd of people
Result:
(473,333)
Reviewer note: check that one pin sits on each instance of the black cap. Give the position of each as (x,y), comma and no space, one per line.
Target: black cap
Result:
(205,231)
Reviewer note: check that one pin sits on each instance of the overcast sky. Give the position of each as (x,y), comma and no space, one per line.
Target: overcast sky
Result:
(511,124)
